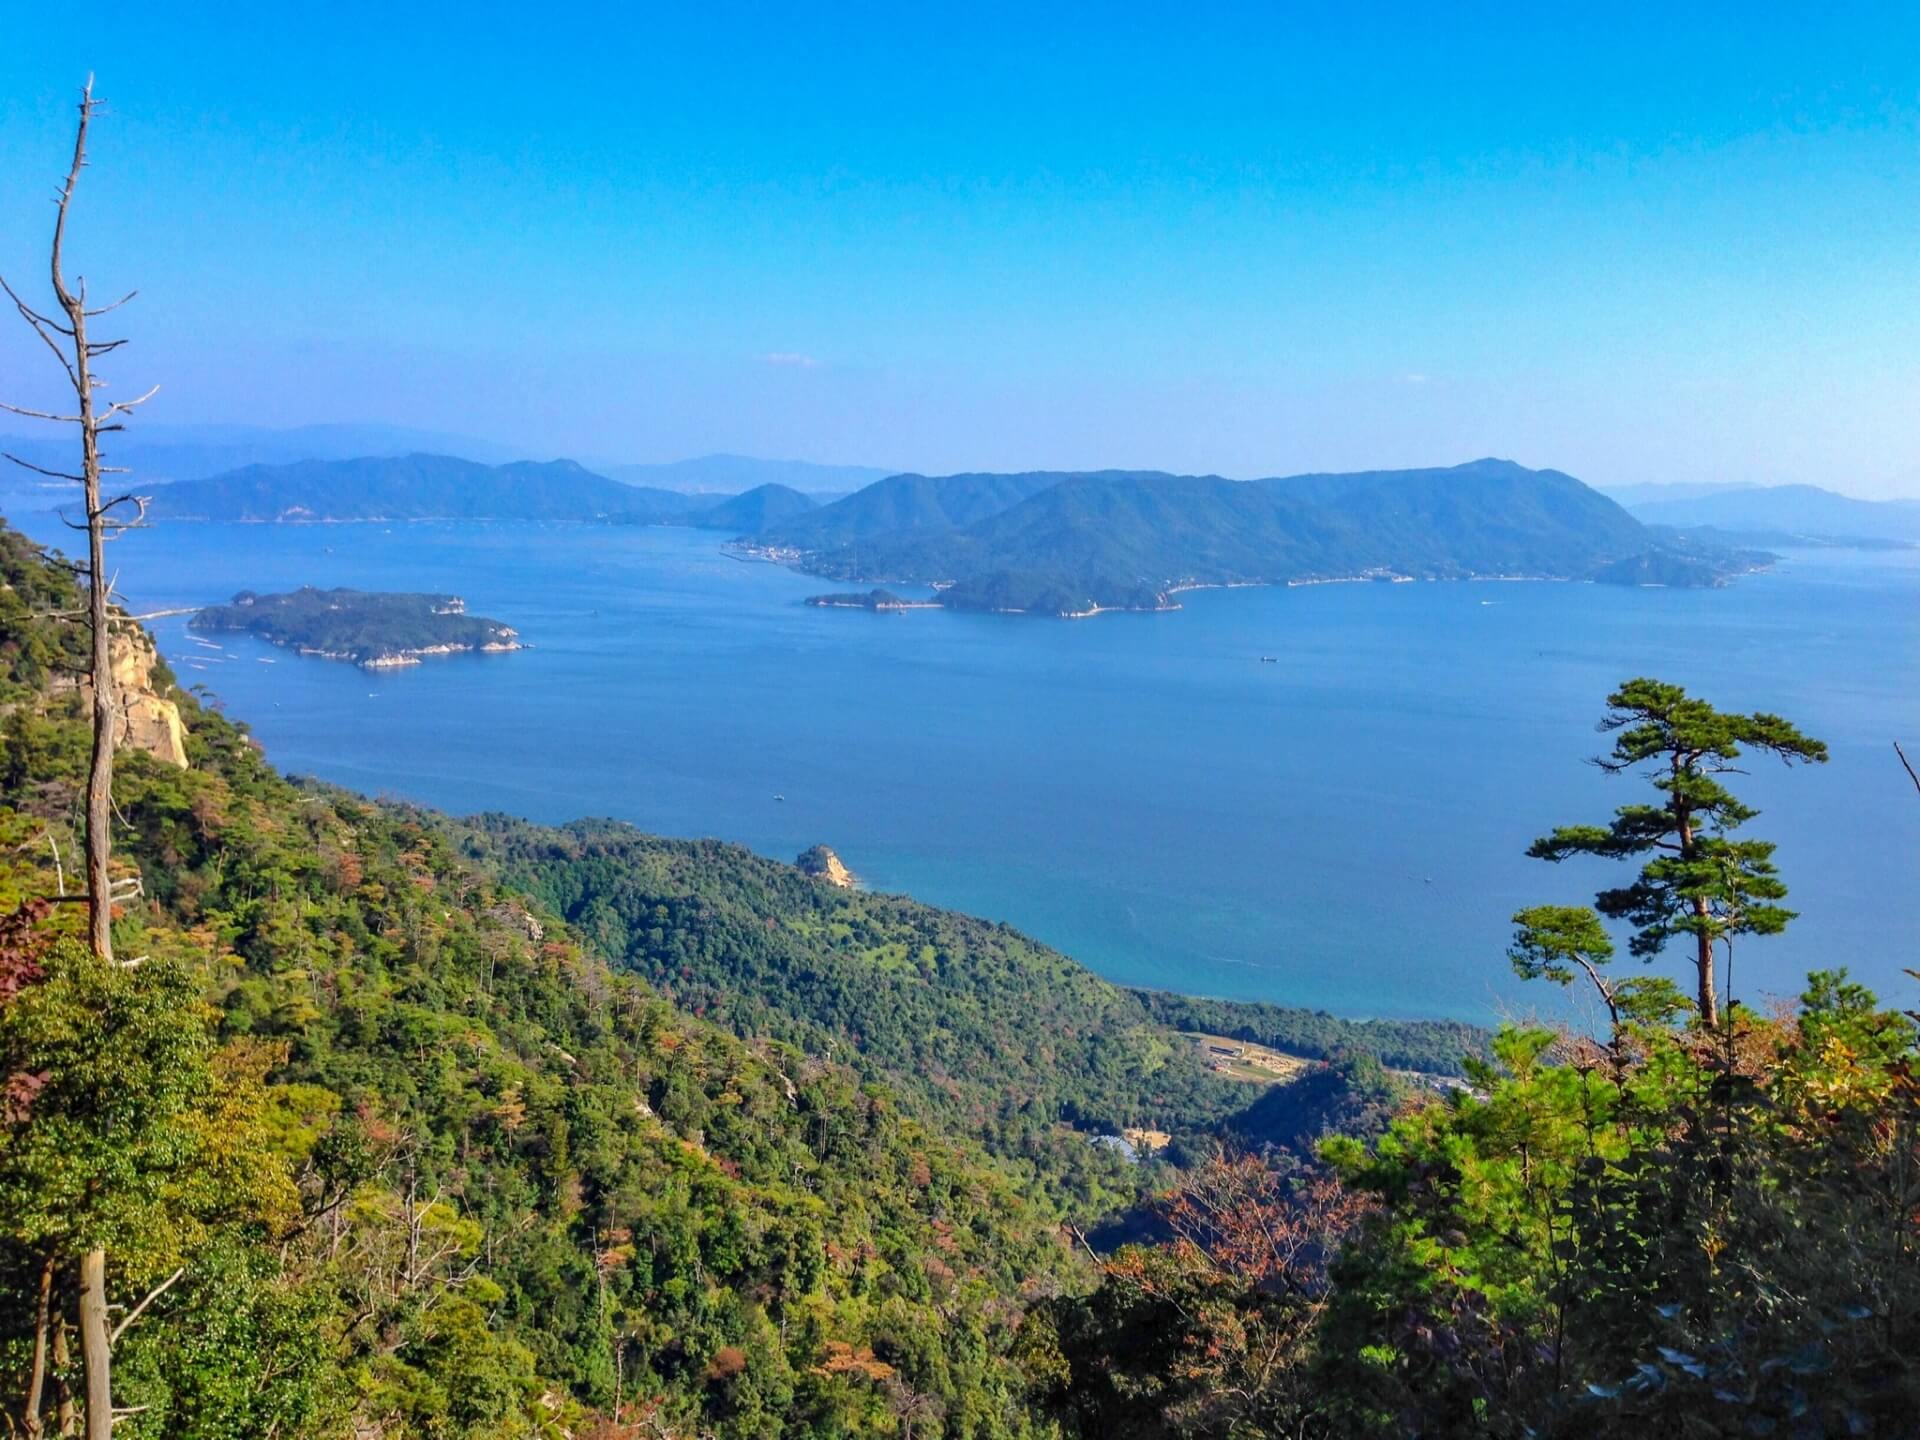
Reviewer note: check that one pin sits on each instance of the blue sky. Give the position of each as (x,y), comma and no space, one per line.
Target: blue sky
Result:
(1248,239)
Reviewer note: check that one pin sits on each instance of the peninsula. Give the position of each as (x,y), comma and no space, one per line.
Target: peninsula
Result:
(374,629)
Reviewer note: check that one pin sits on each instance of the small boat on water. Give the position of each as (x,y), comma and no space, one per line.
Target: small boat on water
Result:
(1269,659)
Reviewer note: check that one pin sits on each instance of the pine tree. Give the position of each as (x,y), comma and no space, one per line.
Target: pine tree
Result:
(1700,882)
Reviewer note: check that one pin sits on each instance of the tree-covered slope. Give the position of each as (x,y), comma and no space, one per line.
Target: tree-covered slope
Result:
(902,503)
(755,510)
(492,1186)
(976,1026)
(413,487)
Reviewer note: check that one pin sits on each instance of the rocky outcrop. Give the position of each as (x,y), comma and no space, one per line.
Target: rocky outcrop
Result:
(822,864)
(149,721)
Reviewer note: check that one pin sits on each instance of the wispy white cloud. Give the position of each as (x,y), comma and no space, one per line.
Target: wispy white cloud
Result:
(790,360)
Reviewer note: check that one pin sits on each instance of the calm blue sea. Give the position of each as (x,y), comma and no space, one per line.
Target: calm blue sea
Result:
(1341,828)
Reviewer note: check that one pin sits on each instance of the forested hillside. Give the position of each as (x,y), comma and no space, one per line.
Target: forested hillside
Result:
(974,1025)
(460,1178)
(377,1143)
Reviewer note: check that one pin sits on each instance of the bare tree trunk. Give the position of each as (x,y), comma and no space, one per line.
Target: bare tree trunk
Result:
(37,1373)
(67,338)
(100,771)
(95,1352)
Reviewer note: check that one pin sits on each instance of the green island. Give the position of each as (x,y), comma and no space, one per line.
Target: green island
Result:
(392,1124)
(1076,544)
(870,600)
(373,629)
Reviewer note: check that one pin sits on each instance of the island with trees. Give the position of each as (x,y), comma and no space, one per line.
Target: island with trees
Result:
(374,629)
(870,600)
(1077,544)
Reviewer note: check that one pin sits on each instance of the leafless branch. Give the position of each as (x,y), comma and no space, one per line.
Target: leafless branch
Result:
(141,1309)
(41,414)
(1908,764)
(42,470)
(122,407)
(104,309)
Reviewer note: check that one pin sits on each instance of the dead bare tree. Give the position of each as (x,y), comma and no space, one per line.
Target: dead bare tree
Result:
(71,345)
(67,338)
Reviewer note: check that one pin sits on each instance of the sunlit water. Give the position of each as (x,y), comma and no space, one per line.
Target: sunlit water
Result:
(1342,827)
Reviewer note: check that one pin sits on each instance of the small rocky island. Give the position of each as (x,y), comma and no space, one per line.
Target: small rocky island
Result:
(871,600)
(375,629)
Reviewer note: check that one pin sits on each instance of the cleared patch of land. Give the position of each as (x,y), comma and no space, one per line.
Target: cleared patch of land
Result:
(1243,1060)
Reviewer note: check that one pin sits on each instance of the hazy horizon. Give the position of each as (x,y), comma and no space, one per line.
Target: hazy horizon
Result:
(1639,248)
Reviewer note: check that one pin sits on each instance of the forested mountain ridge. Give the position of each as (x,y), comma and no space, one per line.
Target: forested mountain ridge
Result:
(1122,539)
(910,502)
(415,487)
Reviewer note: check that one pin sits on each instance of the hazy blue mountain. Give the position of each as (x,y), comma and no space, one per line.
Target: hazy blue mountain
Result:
(1127,539)
(413,487)
(156,454)
(731,474)
(760,508)
(902,503)
(1654,492)
(1792,510)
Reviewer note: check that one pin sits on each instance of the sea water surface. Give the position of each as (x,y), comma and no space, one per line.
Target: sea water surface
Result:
(1342,827)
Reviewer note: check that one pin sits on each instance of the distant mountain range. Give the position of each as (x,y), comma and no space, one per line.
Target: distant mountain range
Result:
(443,487)
(1781,512)
(1046,542)
(159,454)
(1074,543)
(1653,492)
(731,474)
(413,487)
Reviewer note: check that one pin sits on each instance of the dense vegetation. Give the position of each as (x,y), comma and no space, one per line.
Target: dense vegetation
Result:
(415,487)
(379,1145)
(1675,1233)
(902,503)
(976,1027)
(366,627)
(444,1173)
(1700,1223)
(1433,1047)
(1121,539)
